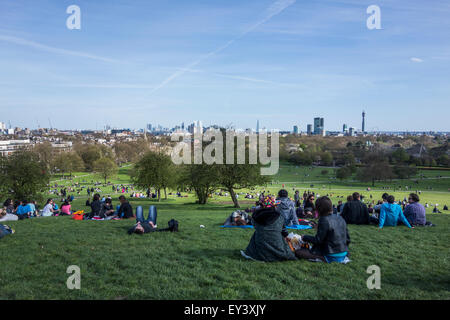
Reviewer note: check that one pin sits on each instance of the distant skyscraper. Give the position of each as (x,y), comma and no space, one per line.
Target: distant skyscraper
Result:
(149,127)
(319,126)
(257,126)
(182,125)
(344,128)
(363,122)
(309,129)
(295,130)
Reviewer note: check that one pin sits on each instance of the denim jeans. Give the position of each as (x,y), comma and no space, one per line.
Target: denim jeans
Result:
(151,214)
(4,231)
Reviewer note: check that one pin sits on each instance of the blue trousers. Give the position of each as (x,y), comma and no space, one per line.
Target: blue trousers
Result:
(151,214)
(4,231)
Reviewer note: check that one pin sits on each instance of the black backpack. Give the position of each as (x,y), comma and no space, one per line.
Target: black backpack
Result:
(173,225)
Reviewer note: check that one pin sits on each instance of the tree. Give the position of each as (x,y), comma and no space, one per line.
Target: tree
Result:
(238,176)
(405,172)
(375,170)
(23,175)
(44,151)
(400,156)
(343,173)
(155,170)
(202,178)
(68,162)
(105,167)
(327,158)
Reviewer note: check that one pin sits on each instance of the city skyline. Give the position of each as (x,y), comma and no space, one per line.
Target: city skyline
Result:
(283,62)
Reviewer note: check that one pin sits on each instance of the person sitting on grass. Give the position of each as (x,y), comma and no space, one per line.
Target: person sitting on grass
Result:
(66,208)
(355,212)
(96,206)
(309,207)
(125,210)
(268,242)
(330,244)
(415,212)
(144,226)
(436,210)
(391,214)
(107,209)
(287,208)
(5,231)
(48,209)
(23,210)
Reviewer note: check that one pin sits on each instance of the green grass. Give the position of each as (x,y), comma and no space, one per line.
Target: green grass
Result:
(199,263)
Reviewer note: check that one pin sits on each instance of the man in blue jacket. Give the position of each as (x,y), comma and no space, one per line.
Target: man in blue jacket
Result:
(391,213)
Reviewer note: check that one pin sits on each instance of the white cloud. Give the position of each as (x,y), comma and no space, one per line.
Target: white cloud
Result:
(413,59)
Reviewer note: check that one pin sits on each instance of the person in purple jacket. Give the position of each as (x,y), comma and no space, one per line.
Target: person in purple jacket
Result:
(415,212)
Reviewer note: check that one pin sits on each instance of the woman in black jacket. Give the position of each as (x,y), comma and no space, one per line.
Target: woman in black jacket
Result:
(268,242)
(330,244)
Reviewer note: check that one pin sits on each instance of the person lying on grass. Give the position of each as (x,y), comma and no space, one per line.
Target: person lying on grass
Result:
(330,244)
(5,230)
(145,226)
(5,216)
(268,242)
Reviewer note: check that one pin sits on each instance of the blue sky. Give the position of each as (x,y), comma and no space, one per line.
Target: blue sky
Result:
(235,61)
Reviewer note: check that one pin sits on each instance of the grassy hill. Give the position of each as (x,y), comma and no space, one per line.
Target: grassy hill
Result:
(205,263)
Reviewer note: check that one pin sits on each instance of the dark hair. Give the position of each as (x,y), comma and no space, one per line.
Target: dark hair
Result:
(7,202)
(24,202)
(414,197)
(390,199)
(96,197)
(49,200)
(355,195)
(108,200)
(309,196)
(385,196)
(349,198)
(324,206)
(122,198)
(66,202)
(282,193)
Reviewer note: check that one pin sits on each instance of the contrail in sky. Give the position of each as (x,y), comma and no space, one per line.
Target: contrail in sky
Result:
(276,8)
(36,45)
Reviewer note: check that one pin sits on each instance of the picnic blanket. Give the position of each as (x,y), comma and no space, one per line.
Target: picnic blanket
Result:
(296,227)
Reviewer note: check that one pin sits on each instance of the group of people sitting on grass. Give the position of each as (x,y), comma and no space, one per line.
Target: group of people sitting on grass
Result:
(330,244)
(103,209)
(270,242)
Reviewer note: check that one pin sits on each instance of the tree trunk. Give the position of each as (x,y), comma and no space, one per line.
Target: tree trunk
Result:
(234,198)
(165,193)
(159,195)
